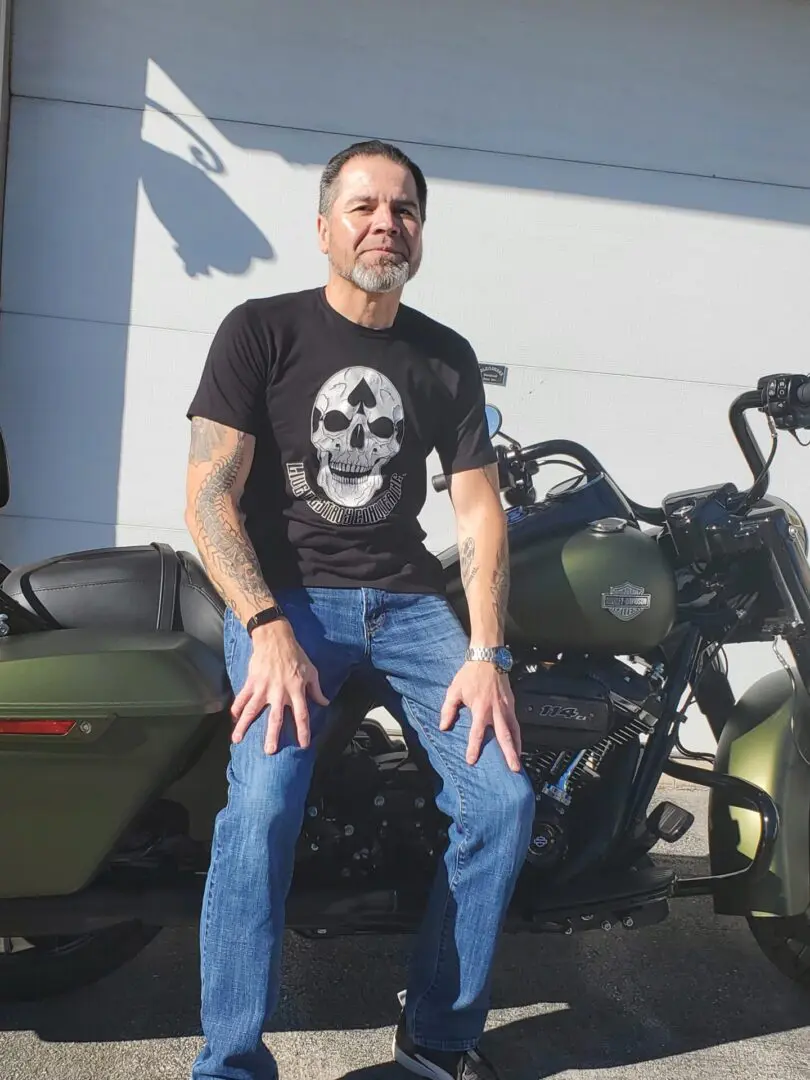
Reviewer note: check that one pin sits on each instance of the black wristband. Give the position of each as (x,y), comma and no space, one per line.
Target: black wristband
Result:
(261,618)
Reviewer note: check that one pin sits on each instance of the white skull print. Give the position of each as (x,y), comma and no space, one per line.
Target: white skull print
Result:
(357,428)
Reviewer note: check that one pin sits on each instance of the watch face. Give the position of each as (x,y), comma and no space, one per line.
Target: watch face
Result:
(503,658)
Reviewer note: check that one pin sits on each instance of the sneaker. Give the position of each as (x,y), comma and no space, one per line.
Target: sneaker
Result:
(439,1064)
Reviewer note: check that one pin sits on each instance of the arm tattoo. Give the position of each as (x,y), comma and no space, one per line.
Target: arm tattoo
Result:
(500,584)
(206,438)
(468,571)
(232,558)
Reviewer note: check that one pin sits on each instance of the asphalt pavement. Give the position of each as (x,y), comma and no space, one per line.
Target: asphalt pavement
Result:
(692,997)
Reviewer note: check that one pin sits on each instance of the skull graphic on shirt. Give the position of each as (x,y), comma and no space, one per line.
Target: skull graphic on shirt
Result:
(357,428)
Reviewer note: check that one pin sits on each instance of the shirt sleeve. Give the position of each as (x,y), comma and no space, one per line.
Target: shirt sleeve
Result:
(233,384)
(464,442)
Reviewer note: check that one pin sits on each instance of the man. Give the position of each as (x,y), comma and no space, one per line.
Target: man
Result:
(311,426)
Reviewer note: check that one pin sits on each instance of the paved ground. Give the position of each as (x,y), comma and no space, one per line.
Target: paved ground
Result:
(689,998)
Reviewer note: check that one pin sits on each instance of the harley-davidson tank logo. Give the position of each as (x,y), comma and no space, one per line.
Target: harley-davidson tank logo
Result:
(626,601)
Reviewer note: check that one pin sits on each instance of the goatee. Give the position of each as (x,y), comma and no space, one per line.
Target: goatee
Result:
(387,275)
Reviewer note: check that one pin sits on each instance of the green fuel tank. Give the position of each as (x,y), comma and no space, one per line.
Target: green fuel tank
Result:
(584,577)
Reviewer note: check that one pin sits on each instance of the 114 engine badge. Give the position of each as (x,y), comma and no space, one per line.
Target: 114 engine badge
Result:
(626,601)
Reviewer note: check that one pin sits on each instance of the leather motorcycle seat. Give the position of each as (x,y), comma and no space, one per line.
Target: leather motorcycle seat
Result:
(127,589)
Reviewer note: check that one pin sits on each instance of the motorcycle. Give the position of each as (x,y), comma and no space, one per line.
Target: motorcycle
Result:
(114,728)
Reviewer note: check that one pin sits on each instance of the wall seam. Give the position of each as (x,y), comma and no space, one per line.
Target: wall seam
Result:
(355,135)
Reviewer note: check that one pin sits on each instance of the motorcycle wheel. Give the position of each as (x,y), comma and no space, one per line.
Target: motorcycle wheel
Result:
(42,967)
(786,943)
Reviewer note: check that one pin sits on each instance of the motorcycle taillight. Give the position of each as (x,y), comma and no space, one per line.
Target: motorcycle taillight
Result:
(36,727)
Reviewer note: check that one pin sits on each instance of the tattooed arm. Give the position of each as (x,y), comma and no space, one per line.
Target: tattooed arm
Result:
(483,550)
(219,462)
(280,673)
(484,554)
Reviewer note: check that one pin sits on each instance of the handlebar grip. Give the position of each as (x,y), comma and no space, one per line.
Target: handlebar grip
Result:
(439,482)
(803,393)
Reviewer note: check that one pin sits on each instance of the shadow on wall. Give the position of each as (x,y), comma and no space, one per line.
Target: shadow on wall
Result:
(210,232)
(650,103)
(64,429)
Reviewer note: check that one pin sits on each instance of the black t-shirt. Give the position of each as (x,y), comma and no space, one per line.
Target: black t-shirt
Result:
(344,418)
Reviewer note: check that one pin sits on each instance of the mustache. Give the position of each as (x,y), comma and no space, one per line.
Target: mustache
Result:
(386,251)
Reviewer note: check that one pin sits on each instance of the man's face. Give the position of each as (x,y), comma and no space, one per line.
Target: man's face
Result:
(373,232)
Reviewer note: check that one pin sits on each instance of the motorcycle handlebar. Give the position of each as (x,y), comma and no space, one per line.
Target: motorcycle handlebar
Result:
(752,399)
(778,396)
(526,456)
(785,400)
(652,515)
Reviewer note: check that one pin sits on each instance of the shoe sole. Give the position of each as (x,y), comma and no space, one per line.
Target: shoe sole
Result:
(416,1067)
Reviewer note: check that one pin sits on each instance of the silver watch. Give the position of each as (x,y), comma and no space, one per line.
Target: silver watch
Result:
(499,656)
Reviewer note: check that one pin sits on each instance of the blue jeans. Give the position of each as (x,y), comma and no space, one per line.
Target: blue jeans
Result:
(417,643)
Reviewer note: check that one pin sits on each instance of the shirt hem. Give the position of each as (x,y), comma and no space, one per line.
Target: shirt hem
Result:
(218,418)
(475,461)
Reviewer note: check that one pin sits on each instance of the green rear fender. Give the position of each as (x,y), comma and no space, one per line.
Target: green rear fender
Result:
(760,743)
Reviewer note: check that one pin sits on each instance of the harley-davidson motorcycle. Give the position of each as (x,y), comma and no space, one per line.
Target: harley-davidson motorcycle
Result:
(115,729)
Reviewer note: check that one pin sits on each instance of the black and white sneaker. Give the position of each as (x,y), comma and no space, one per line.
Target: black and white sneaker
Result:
(439,1064)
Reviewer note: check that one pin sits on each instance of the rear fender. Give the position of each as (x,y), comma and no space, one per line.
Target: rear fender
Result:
(758,743)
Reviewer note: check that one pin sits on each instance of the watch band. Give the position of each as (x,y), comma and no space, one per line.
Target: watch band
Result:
(498,655)
(262,618)
(483,652)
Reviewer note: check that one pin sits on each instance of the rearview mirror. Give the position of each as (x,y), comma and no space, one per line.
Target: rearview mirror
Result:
(494,419)
(5,487)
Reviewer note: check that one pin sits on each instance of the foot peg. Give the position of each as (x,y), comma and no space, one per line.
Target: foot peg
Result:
(669,822)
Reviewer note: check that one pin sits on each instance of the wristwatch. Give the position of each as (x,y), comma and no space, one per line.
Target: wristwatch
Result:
(261,618)
(499,656)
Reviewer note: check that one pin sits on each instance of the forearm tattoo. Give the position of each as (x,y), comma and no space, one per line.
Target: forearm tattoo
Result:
(467,555)
(500,584)
(228,554)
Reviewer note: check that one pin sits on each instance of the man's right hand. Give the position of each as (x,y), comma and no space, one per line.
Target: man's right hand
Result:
(280,675)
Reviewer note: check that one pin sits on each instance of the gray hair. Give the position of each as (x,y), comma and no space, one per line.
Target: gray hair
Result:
(370,148)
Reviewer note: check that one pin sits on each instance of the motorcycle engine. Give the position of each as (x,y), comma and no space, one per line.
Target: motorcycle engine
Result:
(374,815)
(377,812)
(573,715)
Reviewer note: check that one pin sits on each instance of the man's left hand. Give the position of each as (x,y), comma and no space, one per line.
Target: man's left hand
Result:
(487,694)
